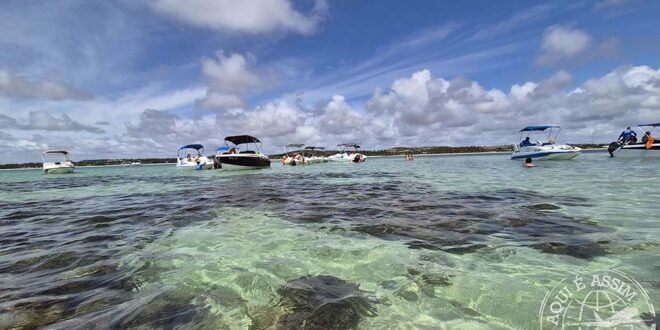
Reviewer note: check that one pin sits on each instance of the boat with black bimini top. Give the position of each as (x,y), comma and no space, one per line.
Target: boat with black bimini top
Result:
(647,147)
(235,158)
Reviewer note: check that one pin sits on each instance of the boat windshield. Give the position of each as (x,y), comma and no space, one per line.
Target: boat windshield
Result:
(53,156)
(533,135)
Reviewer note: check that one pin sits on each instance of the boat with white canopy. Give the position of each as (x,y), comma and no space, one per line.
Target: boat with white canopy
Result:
(237,158)
(348,152)
(293,154)
(57,167)
(539,150)
(192,157)
(647,147)
(312,157)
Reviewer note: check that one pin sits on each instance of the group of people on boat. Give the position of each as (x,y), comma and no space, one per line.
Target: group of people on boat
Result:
(628,136)
(292,160)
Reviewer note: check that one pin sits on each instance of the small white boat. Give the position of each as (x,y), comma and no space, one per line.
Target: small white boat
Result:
(61,167)
(343,154)
(634,149)
(186,161)
(312,158)
(294,155)
(539,150)
(232,157)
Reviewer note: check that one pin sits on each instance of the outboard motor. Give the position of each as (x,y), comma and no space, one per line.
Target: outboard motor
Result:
(613,147)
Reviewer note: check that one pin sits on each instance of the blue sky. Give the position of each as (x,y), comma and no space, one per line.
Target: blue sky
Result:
(138,78)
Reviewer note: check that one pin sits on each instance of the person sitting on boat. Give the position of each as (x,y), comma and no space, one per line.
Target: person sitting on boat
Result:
(526,142)
(189,157)
(628,136)
(648,140)
(232,150)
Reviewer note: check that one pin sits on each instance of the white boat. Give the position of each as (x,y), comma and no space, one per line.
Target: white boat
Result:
(232,157)
(312,158)
(61,167)
(348,152)
(539,150)
(192,157)
(642,149)
(293,155)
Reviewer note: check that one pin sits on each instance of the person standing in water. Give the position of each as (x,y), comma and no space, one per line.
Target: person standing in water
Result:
(528,163)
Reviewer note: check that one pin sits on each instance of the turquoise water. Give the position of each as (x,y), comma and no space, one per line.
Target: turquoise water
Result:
(453,242)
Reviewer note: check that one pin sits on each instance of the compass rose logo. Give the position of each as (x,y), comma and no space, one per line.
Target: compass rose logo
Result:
(603,300)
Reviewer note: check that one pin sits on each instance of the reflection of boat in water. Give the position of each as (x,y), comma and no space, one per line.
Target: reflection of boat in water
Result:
(543,150)
(634,149)
(233,158)
(293,155)
(185,161)
(61,167)
(312,158)
(343,154)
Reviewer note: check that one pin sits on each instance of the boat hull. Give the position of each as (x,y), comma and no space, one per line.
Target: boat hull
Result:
(546,155)
(191,167)
(59,170)
(236,162)
(549,152)
(637,151)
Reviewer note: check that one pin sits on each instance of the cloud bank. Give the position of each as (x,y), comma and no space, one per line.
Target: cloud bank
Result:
(13,86)
(245,16)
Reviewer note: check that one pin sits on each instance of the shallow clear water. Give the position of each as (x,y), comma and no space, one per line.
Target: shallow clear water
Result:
(456,242)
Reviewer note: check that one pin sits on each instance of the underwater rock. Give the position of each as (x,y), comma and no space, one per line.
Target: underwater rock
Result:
(322,302)
(586,250)
(166,310)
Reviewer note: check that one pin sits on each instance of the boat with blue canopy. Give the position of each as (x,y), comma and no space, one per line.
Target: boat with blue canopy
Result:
(539,150)
(192,157)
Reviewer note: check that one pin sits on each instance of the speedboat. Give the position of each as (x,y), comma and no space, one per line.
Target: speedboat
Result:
(343,154)
(61,167)
(634,149)
(234,158)
(312,158)
(293,155)
(186,161)
(538,150)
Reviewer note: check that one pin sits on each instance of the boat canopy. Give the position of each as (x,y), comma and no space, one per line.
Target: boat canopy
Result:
(349,145)
(314,148)
(538,128)
(295,145)
(192,146)
(651,125)
(64,152)
(241,139)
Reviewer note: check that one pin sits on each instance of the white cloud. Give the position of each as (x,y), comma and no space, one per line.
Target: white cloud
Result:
(14,86)
(419,109)
(42,120)
(229,76)
(563,43)
(245,16)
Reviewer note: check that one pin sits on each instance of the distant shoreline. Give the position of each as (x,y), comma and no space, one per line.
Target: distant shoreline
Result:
(36,166)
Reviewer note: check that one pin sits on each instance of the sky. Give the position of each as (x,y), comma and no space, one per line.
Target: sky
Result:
(139,78)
